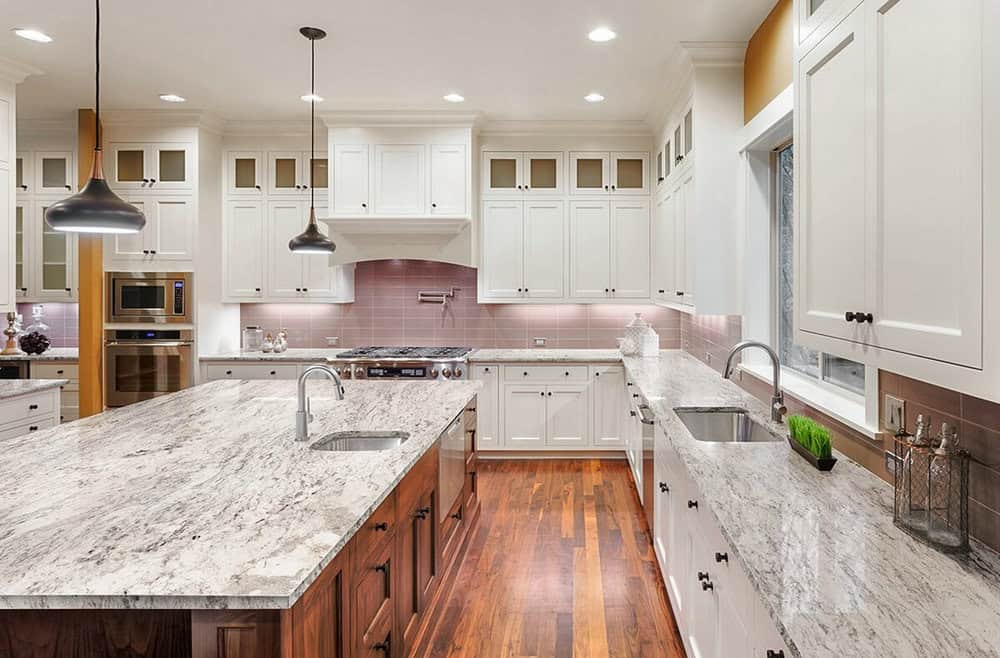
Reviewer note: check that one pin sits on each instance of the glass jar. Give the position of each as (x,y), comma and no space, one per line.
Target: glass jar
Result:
(35,337)
(253,338)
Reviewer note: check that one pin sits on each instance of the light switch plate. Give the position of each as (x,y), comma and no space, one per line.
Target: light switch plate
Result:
(539,341)
(332,341)
(895,413)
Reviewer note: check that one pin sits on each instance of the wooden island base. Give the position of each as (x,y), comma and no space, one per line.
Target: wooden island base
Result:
(375,600)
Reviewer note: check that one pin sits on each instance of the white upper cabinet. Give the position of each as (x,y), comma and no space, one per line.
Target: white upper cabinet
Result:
(159,166)
(400,179)
(243,250)
(630,249)
(830,163)
(590,252)
(925,253)
(524,258)
(663,270)
(45,267)
(891,241)
(245,173)
(502,263)
(630,173)
(544,249)
(589,172)
(285,172)
(24,173)
(166,240)
(449,180)
(55,172)
(523,173)
(350,179)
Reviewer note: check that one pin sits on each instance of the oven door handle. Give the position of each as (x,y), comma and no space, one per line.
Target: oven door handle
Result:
(179,343)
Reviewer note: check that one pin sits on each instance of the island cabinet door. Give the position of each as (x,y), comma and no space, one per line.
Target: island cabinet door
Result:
(318,625)
(373,595)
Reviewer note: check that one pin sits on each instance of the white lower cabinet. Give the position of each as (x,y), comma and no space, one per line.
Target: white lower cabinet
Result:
(525,415)
(717,611)
(249,370)
(29,413)
(567,416)
(610,406)
(487,407)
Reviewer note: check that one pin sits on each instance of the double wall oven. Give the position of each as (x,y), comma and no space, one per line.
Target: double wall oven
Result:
(149,341)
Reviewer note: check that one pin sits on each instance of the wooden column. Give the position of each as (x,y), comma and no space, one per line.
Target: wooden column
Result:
(91,272)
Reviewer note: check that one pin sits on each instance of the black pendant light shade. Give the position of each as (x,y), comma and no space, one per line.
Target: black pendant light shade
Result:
(311,241)
(95,209)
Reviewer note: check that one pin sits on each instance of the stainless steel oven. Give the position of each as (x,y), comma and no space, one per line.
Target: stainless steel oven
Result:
(149,297)
(140,364)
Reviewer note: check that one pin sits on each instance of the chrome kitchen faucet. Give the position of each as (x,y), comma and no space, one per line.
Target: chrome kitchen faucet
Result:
(304,414)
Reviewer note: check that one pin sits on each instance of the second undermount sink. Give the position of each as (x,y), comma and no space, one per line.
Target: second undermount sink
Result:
(730,425)
(360,441)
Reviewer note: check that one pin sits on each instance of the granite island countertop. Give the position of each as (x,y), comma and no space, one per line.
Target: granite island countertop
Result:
(12,388)
(203,498)
(51,354)
(836,576)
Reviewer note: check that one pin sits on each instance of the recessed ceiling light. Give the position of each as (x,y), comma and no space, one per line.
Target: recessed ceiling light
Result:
(172,98)
(311,97)
(593,97)
(32,35)
(454,98)
(601,34)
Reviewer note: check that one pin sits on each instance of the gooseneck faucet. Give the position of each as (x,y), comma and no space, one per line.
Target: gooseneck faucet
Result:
(304,415)
(777,398)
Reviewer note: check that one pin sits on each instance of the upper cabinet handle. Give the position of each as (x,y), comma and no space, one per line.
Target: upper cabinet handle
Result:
(69,187)
(256,187)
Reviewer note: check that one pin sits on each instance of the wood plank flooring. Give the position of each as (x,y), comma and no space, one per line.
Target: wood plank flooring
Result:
(560,565)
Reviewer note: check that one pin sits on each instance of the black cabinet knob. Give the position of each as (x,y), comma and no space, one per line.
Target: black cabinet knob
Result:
(383,647)
(364,205)
(605,188)
(722,557)
(32,407)
(519,290)
(607,290)
(434,205)
(382,526)
(660,179)
(849,316)
(771,653)
(550,393)
(33,428)
(692,504)
(664,488)
(145,251)
(680,293)
(273,373)
(152,251)
(613,188)
(707,586)
(422,512)
(383,568)
(305,290)
(702,575)
(256,187)
(152,180)
(229,372)
(520,187)
(612,290)
(298,290)
(256,289)
(68,289)
(661,291)
(566,373)
(69,187)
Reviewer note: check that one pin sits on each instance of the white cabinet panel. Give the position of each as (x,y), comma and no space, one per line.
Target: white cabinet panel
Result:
(503,249)
(8,299)
(284,268)
(610,406)
(544,249)
(350,179)
(173,228)
(663,254)
(630,257)
(928,235)
(684,239)
(400,179)
(590,255)
(244,253)
(320,279)
(524,417)
(487,407)
(830,178)
(449,180)
(568,416)
(132,246)
(703,612)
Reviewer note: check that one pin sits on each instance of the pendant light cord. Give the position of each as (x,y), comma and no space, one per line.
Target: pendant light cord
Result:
(312,130)
(97,76)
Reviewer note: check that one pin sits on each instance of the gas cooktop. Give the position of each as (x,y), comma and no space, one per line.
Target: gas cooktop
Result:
(376,352)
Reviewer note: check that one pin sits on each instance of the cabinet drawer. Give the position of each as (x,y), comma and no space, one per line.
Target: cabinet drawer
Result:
(25,408)
(27,428)
(252,371)
(451,529)
(379,527)
(55,371)
(421,479)
(373,596)
(526,373)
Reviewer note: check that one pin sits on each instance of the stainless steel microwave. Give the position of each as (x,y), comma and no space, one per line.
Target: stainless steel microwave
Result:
(149,297)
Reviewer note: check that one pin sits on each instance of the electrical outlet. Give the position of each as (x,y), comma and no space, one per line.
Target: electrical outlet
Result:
(708,358)
(539,341)
(332,341)
(895,413)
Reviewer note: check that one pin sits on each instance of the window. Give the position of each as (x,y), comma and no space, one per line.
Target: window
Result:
(833,370)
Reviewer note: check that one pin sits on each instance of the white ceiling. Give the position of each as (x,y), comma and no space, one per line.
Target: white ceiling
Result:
(244,59)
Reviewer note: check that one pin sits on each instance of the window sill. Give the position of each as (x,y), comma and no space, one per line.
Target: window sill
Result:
(842,407)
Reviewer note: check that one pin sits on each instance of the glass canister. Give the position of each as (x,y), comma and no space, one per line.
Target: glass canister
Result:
(253,338)
(35,337)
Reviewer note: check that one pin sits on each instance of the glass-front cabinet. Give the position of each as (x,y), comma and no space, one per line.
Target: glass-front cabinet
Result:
(293,172)
(515,173)
(21,210)
(54,172)
(24,174)
(44,259)
(159,166)
(623,172)
(245,173)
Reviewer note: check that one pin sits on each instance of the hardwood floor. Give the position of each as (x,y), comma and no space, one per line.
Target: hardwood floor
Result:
(560,565)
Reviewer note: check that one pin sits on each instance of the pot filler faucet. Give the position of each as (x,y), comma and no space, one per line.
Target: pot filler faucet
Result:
(304,415)
(777,398)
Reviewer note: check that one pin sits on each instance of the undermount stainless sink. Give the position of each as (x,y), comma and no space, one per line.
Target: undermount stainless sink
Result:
(360,441)
(728,425)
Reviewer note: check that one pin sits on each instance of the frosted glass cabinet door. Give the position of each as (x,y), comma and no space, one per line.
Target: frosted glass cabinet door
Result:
(24,173)
(502,173)
(130,169)
(56,259)
(22,240)
(54,172)
(543,173)
(285,172)
(245,173)
(172,166)
(630,173)
(589,172)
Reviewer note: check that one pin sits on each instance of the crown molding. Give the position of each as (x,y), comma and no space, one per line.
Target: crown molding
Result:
(16,72)
(162,118)
(590,128)
(45,126)
(678,75)
(715,53)
(400,119)
(265,128)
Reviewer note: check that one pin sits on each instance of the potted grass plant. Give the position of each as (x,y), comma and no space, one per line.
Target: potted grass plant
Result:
(812,441)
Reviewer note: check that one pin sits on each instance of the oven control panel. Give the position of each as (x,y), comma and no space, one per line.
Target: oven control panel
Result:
(178,298)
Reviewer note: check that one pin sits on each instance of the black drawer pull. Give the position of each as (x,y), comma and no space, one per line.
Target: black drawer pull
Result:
(382,568)
(382,526)
(273,373)
(457,515)
(665,489)
(229,372)
(707,585)
(702,575)
(383,647)
(722,557)
(32,407)
(33,428)
(692,504)
(771,653)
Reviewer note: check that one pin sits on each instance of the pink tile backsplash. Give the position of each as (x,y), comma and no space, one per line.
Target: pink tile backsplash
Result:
(386,312)
(63,320)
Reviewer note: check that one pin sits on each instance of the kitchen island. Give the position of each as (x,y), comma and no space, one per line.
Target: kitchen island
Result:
(198,514)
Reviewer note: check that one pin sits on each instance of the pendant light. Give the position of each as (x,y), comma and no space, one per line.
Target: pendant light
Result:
(311,241)
(95,209)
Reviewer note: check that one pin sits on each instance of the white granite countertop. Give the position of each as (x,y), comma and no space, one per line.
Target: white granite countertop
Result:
(544,355)
(203,498)
(318,354)
(51,354)
(12,388)
(837,577)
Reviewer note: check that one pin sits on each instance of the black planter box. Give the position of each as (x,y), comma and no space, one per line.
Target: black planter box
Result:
(819,464)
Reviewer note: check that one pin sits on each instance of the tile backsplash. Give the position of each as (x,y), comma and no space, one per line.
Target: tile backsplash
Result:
(978,422)
(386,312)
(63,320)
(709,338)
